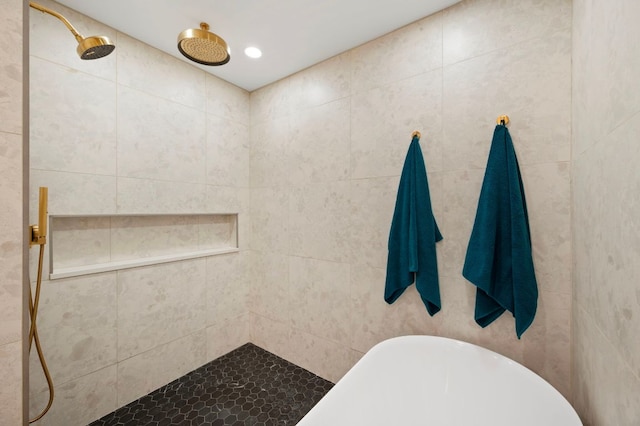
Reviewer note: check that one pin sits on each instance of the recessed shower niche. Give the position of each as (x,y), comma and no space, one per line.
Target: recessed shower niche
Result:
(81,245)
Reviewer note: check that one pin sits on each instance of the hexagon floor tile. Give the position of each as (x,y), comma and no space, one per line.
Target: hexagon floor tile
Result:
(247,386)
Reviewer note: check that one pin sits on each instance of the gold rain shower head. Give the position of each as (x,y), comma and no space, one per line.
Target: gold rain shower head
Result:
(203,47)
(92,47)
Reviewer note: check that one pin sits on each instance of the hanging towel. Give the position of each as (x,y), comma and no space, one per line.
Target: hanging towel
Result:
(413,236)
(499,260)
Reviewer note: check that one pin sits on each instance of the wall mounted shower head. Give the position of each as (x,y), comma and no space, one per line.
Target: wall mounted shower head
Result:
(93,47)
(203,47)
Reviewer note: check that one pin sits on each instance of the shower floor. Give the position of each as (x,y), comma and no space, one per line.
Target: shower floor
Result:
(247,386)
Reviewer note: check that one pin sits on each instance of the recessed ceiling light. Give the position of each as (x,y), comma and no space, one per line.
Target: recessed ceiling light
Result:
(253,52)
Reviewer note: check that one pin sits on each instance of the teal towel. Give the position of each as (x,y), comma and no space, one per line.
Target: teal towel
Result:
(499,259)
(413,236)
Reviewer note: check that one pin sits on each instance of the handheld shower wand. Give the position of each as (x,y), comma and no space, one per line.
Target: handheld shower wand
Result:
(39,237)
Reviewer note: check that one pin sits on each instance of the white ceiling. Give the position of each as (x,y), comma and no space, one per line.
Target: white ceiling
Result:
(292,34)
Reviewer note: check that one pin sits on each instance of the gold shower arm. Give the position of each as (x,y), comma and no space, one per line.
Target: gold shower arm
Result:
(64,20)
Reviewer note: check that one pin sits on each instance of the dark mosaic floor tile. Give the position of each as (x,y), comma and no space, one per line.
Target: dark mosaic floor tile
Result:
(247,387)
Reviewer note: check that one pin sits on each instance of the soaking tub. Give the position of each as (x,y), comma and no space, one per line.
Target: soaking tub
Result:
(428,380)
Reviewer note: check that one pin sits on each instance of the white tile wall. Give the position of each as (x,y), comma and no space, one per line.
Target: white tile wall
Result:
(79,401)
(11,379)
(449,76)
(85,132)
(137,132)
(606,207)
(11,212)
(159,304)
(77,328)
(141,374)
(416,103)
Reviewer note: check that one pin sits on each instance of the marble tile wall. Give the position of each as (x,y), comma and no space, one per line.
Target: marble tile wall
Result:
(327,148)
(606,206)
(12,234)
(138,132)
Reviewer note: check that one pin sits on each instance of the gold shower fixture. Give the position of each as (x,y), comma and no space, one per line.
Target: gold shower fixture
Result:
(39,238)
(39,231)
(92,47)
(203,47)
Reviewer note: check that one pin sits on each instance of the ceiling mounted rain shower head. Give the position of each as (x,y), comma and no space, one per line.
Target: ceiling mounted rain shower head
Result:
(92,47)
(203,47)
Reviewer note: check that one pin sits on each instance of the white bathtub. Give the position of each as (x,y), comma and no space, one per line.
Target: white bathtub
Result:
(428,380)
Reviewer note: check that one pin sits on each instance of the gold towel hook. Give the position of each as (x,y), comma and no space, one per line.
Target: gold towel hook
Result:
(416,133)
(502,119)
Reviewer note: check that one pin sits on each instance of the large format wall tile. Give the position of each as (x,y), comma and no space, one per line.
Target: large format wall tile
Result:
(11,379)
(11,46)
(159,197)
(77,328)
(270,220)
(325,358)
(409,51)
(530,83)
(227,101)
(159,304)
(605,389)
(462,189)
(549,336)
(227,152)
(76,115)
(319,295)
(11,236)
(374,320)
(372,204)
(383,120)
(472,28)
(322,83)
(605,209)
(272,335)
(12,88)
(269,294)
(149,70)
(583,96)
(79,401)
(271,102)
(611,295)
(73,193)
(159,139)
(147,371)
(227,287)
(319,144)
(547,190)
(319,223)
(457,315)
(606,67)
(227,336)
(269,157)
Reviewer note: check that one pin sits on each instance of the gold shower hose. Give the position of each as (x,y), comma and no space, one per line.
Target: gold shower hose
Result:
(39,237)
